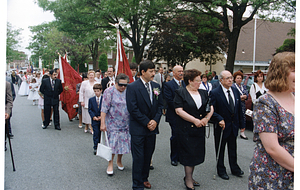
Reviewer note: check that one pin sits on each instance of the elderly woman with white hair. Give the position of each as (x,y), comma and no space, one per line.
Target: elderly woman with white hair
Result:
(85,93)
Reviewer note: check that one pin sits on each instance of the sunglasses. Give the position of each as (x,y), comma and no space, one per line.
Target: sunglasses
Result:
(122,84)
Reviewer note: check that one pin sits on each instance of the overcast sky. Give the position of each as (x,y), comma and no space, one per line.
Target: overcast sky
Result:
(25,13)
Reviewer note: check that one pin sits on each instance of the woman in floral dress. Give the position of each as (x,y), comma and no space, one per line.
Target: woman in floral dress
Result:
(272,165)
(115,120)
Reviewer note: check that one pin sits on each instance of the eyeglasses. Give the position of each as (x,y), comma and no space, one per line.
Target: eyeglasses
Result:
(122,84)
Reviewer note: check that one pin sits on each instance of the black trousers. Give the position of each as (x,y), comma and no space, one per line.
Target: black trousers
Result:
(47,114)
(173,142)
(97,133)
(232,155)
(142,148)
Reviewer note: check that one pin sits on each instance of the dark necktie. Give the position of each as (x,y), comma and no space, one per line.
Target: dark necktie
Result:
(230,101)
(161,78)
(180,83)
(148,88)
(52,85)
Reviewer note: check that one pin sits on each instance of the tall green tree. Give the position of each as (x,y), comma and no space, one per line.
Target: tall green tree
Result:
(80,21)
(232,15)
(47,42)
(137,18)
(13,40)
(103,63)
(184,38)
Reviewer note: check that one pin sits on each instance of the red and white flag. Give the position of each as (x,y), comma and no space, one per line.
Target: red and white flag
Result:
(122,65)
(69,79)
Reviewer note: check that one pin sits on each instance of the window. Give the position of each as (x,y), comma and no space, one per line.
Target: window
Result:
(110,55)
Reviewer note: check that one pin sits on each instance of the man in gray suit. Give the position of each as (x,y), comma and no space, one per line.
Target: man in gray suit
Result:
(159,77)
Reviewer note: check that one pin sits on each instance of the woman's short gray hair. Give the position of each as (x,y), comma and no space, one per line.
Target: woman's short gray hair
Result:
(122,76)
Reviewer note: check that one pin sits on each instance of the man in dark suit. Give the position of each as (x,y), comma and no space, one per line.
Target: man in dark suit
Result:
(228,114)
(214,75)
(169,94)
(109,80)
(133,69)
(51,88)
(144,103)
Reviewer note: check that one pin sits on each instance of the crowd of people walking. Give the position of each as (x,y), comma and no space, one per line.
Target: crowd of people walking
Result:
(130,115)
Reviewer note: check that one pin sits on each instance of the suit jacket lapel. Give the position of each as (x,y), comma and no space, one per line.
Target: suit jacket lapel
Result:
(144,93)
(236,96)
(175,85)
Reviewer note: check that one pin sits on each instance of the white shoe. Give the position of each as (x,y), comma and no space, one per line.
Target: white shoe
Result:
(50,123)
(80,126)
(85,131)
(120,168)
(110,173)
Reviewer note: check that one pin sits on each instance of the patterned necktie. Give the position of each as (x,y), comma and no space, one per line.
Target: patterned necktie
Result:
(180,83)
(52,85)
(230,101)
(148,88)
(97,99)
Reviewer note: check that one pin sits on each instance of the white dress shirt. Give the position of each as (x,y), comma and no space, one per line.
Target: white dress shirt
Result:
(226,94)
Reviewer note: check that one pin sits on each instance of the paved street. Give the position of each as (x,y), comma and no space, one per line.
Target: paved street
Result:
(50,159)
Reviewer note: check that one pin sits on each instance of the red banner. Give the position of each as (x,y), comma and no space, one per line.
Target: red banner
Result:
(70,79)
(122,61)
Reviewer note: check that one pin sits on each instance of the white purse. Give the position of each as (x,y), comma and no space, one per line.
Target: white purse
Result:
(103,149)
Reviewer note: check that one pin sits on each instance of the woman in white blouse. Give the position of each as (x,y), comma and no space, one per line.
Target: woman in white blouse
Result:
(204,84)
(258,87)
(85,93)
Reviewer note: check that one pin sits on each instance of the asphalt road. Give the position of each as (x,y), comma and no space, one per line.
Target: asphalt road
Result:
(51,159)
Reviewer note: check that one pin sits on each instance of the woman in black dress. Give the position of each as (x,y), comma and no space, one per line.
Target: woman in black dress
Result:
(191,107)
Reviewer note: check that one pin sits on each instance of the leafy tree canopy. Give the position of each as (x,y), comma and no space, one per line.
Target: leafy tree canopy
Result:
(47,42)
(183,38)
(137,18)
(103,63)
(232,15)
(13,40)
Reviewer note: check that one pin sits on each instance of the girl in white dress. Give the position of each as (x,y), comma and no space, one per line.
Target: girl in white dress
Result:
(33,94)
(24,88)
(38,78)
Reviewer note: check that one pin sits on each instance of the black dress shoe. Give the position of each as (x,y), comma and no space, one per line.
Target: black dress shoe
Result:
(151,168)
(195,183)
(244,137)
(95,151)
(239,174)
(44,127)
(11,135)
(174,163)
(224,176)
(189,188)
(57,128)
